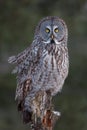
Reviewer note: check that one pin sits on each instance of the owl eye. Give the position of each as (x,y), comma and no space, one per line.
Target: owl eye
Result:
(56,30)
(47,30)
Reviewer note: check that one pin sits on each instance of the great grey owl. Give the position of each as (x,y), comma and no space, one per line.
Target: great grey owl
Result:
(43,65)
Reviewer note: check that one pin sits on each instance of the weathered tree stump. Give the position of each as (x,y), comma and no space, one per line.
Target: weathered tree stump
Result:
(44,116)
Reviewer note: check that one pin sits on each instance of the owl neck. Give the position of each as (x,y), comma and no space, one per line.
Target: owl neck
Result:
(53,49)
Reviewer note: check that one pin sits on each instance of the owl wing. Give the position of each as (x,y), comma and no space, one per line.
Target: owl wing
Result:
(19,60)
(24,62)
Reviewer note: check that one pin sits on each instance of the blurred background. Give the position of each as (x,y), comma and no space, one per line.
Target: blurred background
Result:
(18,19)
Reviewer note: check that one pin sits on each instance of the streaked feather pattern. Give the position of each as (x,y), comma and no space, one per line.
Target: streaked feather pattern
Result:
(42,66)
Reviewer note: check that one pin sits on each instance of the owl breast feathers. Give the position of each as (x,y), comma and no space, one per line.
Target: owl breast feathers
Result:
(43,65)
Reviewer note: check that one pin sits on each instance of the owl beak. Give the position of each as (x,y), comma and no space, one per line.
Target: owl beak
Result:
(52,36)
(52,39)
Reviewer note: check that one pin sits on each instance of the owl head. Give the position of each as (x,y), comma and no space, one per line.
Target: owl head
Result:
(52,30)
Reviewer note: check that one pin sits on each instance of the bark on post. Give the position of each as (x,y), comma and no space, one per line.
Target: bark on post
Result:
(44,116)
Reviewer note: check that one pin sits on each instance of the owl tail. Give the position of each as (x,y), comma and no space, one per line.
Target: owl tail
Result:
(26,112)
(25,107)
(27,116)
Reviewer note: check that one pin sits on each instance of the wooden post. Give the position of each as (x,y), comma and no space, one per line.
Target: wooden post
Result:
(44,116)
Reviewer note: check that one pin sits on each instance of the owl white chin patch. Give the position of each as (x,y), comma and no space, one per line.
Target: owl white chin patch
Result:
(57,42)
(49,41)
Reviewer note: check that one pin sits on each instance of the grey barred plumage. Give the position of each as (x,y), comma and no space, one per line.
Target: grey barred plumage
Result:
(44,65)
